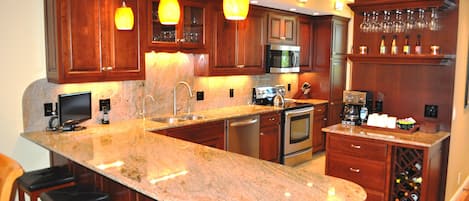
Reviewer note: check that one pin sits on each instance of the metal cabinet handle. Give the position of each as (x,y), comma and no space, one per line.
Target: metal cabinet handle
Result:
(283,38)
(332,103)
(318,110)
(240,66)
(325,119)
(355,146)
(272,119)
(356,170)
(106,68)
(261,133)
(243,123)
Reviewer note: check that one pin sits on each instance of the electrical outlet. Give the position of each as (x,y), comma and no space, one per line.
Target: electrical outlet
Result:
(48,109)
(231,93)
(200,95)
(289,87)
(431,111)
(104,103)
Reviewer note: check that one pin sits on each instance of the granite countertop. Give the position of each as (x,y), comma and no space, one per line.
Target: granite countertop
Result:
(166,168)
(417,139)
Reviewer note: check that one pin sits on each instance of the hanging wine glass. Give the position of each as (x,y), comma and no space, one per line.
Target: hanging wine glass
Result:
(365,23)
(375,25)
(410,21)
(387,23)
(421,23)
(398,23)
(434,23)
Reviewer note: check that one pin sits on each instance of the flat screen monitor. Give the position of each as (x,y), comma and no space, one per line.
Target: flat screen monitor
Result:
(74,107)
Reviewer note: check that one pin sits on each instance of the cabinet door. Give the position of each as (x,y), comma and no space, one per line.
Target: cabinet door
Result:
(282,29)
(322,45)
(338,79)
(250,44)
(122,48)
(193,22)
(319,122)
(339,38)
(269,143)
(305,41)
(210,134)
(79,39)
(162,36)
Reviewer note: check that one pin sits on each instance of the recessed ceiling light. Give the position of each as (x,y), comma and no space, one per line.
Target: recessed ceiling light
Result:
(254,2)
(292,9)
(302,1)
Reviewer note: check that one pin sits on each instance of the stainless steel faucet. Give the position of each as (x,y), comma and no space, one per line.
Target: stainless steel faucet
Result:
(143,104)
(174,96)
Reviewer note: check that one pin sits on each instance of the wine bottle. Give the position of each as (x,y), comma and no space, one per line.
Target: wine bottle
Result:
(394,45)
(418,46)
(382,46)
(406,48)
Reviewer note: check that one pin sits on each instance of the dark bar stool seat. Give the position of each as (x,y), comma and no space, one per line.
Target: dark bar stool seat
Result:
(75,193)
(36,182)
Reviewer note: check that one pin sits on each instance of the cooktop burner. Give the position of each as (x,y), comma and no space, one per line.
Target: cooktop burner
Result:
(265,96)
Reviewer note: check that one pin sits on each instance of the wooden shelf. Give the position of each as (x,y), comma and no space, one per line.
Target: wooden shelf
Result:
(379,5)
(442,60)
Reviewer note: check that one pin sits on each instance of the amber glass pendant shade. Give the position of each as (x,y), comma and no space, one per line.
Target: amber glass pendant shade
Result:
(124,18)
(169,12)
(235,9)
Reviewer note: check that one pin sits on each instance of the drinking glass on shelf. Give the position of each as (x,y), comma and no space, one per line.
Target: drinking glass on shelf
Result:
(421,23)
(434,23)
(365,25)
(410,21)
(375,25)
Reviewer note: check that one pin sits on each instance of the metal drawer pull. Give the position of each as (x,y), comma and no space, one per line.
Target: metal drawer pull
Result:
(106,68)
(355,146)
(354,170)
(261,133)
(272,119)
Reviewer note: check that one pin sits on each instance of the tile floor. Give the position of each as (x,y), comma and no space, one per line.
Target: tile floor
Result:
(316,165)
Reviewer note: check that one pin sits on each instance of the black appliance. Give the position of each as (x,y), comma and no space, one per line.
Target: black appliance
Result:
(296,125)
(282,59)
(354,101)
(74,109)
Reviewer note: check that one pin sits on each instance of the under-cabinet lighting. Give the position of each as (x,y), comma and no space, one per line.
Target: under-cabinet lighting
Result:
(169,12)
(292,9)
(254,2)
(235,9)
(169,176)
(124,18)
(110,165)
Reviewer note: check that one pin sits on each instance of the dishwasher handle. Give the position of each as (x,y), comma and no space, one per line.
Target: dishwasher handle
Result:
(243,123)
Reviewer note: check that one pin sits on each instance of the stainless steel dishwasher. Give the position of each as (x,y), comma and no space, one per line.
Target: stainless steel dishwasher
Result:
(243,136)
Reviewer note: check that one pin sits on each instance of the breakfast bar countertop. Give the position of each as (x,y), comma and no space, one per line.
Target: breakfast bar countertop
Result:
(415,139)
(165,168)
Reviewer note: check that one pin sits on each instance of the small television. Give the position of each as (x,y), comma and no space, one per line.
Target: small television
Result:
(74,108)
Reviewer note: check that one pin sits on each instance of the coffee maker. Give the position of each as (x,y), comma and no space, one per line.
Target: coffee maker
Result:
(354,101)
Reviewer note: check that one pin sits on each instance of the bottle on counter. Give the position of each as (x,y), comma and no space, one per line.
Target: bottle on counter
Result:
(394,48)
(363,114)
(105,118)
(406,48)
(382,46)
(418,45)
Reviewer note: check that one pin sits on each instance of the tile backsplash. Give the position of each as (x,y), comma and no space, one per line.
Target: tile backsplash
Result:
(163,71)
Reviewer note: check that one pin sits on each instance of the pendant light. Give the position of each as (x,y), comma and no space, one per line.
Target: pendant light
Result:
(124,18)
(169,12)
(235,9)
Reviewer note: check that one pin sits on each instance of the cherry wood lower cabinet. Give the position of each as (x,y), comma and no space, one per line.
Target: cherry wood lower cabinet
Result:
(387,170)
(269,142)
(210,134)
(319,122)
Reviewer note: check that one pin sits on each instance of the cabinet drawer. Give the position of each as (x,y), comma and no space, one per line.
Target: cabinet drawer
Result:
(372,195)
(367,173)
(358,147)
(320,109)
(270,119)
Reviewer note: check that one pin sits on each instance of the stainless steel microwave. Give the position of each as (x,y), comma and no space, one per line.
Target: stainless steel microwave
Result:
(282,59)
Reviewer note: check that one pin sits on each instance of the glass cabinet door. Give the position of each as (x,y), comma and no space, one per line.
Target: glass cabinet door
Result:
(161,33)
(193,25)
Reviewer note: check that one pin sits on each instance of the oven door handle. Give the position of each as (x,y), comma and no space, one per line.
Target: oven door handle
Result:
(299,111)
(243,123)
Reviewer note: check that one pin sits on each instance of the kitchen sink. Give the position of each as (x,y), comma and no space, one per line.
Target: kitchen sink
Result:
(168,120)
(172,120)
(192,117)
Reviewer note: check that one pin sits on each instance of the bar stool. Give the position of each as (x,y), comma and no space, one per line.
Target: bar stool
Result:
(75,193)
(36,182)
(10,171)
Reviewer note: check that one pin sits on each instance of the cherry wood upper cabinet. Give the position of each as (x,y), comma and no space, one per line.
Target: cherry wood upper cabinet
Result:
(83,45)
(189,35)
(305,41)
(282,29)
(237,47)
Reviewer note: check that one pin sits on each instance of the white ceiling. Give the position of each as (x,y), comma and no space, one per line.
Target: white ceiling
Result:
(311,7)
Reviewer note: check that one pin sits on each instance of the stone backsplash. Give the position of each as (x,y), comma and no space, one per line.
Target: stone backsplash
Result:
(163,71)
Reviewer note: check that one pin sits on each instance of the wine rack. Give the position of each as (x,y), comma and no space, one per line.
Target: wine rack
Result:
(407,174)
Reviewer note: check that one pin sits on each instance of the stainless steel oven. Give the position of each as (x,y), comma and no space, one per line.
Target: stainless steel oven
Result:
(297,135)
